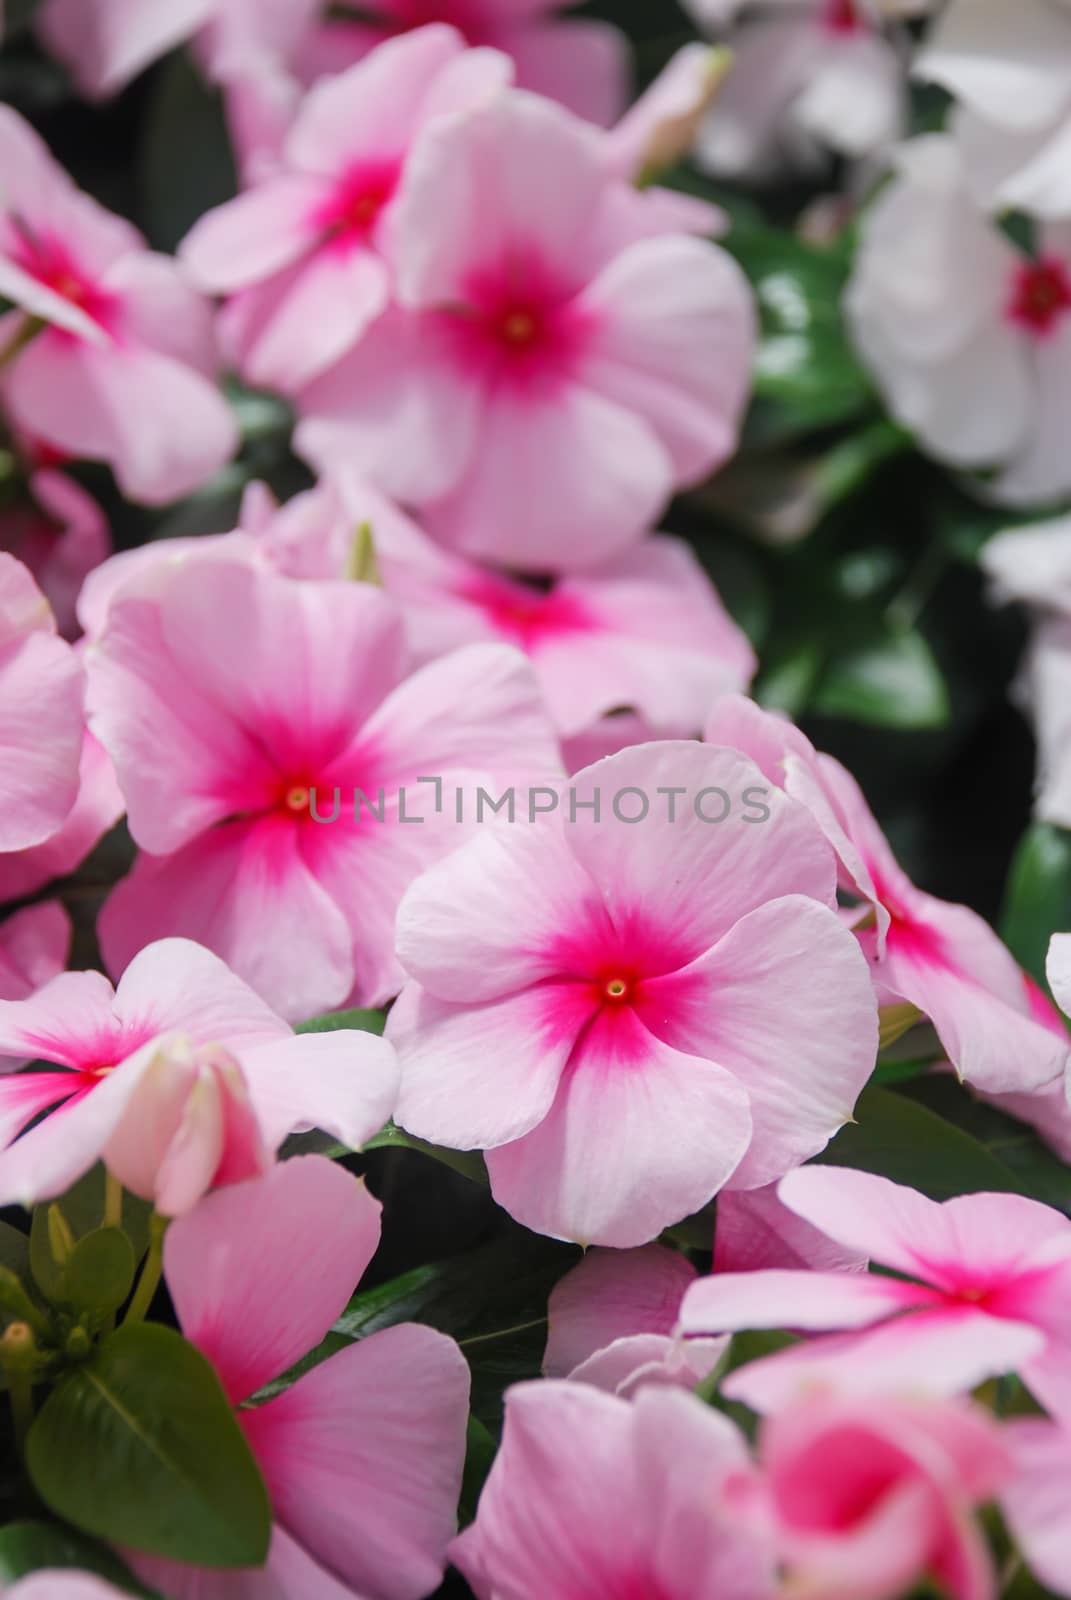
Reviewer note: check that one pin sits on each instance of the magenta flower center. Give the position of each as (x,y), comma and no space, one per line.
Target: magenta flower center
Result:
(519,323)
(842,16)
(523,613)
(1041,296)
(49,261)
(358,202)
(297,798)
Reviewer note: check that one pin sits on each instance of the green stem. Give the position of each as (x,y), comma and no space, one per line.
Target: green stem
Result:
(113,1202)
(501,1333)
(151,1272)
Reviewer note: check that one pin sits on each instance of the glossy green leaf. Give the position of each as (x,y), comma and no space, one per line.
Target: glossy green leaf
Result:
(492,1300)
(363,1020)
(140,1446)
(892,680)
(100,1273)
(900,1139)
(80,1211)
(1037,1170)
(807,375)
(1037,900)
(469,1163)
(27,1547)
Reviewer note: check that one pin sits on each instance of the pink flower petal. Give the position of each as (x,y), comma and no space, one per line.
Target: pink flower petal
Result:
(260,1270)
(363,1459)
(610,1295)
(595,1169)
(345,1083)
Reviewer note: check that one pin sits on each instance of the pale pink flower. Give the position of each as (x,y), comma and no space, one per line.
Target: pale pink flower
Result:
(942,958)
(613,1320)
(33,948)
(1010,70)
(97,807)
(645,629)
(754,1229)
(809,77)
(105,43)
(1047,1109)
(1037,1501)
(234,702)
(612,1323)
(982,1288)
(553,370)
(871,1496)
(363,1455)
(591,1497)
(147,1078)
(305,255)
(60,533)
(968,338)
(583,64)
(590,994)
(123,370)
(41,715)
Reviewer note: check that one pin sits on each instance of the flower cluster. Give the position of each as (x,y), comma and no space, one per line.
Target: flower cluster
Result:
(485,1105)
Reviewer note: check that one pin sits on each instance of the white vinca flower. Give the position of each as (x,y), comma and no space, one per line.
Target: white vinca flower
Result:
(968,337)
(1008,64)
(809,78)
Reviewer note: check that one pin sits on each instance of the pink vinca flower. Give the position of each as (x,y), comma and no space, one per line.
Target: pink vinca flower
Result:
(105,43)
(613,1320)
(1010,70)
(872,1496)
(586,1487)
(271,749)
(122,370)
(983,1288)
(645,629)
(581,63)
(592,991)
(968,338)
(305,254)
(97,807)
(179,1079)
(612,1323)
(1036,1502)
(60,533)
(554,369)
(942,958)
(41,715)
(363,1455)
(34,943)
(809,77)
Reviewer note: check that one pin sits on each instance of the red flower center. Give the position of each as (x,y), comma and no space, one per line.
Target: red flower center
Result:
(1041,296)
(355,207)
(842,16)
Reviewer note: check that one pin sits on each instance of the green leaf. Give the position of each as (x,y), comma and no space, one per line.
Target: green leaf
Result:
(27,1547)
(186,166)
(892,681)
(15,1251)
(364,1021)
(1037,900)
(807,375)
(469,1163)
(81,1211)
(900,1139)
(140,1446)
(492,1300)
(479,1459)
(100,1273)
(1038,1172)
